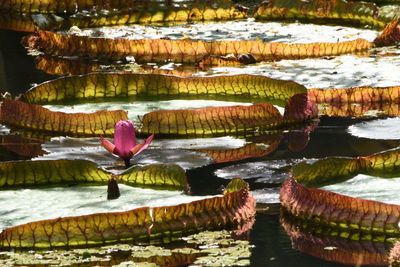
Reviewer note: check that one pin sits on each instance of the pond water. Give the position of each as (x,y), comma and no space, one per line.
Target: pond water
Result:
(333,136)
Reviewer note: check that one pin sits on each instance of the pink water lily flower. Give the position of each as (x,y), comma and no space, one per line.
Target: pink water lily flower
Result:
(125,145)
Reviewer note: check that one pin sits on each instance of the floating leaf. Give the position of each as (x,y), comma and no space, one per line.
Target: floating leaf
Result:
(309,239)
(17,113)
(338,11)
(34,173)
(144,14)
(163,176)
(329,170)
(64,172)
(102,85)
(67,6)
(187,51)
(212,120)
(138,225)
(354,218)
(362,95)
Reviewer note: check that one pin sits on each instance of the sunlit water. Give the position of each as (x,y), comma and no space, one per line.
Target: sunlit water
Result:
(384,129)
(248,29)
(369,187)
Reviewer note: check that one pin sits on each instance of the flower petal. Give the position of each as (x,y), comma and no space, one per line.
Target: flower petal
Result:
(124,138)
(142,146)
(108,145)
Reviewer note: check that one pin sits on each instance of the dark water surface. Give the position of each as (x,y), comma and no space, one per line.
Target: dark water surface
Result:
(272,246)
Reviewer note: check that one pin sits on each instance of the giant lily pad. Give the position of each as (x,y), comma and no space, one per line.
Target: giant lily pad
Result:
(103,85)
(139,225)
(339,11)
(188,51)
(56,172)
(20,114)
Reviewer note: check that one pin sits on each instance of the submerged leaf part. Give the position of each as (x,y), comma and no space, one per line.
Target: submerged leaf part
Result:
(20,114)
(142,225)
(103,85)
(356,110)
(184,51)
(16,22)
(353,218)
(23,146)
(309,239)
(332,11)
(259,147)
(66,172)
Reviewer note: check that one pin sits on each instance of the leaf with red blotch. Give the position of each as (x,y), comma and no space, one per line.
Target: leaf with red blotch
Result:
(20,114)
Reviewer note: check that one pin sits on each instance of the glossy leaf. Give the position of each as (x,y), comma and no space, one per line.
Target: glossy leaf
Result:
(212,120)
(329,170)
(64,172)
(20,114)
(102,85)
(138,225)
(162,176)
(147,13)
(338,11)
(67,6)
(361,95)
(35,173)
(185,51)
